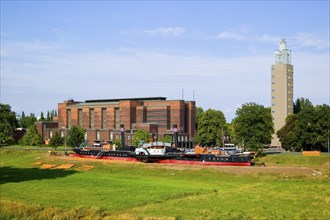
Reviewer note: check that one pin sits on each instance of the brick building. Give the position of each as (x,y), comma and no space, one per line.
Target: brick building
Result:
(102,118)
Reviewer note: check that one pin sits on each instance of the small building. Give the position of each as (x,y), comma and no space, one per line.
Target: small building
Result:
(46,129)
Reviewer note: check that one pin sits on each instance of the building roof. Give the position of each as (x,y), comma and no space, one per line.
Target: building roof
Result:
(127,99)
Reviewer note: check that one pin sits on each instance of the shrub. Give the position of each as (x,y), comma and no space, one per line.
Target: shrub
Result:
(31,137)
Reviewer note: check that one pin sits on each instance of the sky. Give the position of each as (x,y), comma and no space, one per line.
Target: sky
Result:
(217,53)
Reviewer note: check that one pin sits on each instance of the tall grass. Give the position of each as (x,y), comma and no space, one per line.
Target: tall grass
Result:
(139,191)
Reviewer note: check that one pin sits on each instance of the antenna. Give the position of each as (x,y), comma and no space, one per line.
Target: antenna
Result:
(182,94)
(193,95)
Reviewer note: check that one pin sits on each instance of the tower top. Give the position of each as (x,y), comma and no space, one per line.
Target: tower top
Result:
(282,44)
(282,55)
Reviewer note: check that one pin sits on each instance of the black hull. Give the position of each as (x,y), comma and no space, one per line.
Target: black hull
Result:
(175,158)
(237,160)
(102,154)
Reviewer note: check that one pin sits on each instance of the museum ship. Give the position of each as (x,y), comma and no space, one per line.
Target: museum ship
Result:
(161,152)
(104,150)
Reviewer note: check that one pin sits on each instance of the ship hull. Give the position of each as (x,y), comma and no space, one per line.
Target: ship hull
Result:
(188,159)
(104,154)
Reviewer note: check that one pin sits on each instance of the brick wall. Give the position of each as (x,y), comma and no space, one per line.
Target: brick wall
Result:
(164,113)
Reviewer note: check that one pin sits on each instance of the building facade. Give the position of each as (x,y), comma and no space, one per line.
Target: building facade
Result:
(282,89)
(102,118)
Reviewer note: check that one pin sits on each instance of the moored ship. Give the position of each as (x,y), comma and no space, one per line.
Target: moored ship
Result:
(158,152)
(104,150)
(161,152)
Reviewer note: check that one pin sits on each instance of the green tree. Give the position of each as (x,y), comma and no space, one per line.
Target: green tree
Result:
(230,131)
(56,140)
(48,118)
(27,121)
(166,138)
(288,133)
(42,117)
(306,128)
(117,143)
(31,138)
(142,135)
(300,104)
(8,123)
(75,136)
(210,126)
(199,112)
(322,126)
(253,126)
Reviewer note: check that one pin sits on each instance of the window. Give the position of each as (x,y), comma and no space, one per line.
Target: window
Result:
(273,97)
(91,118)
(69,117)
(80,117)
(104,118)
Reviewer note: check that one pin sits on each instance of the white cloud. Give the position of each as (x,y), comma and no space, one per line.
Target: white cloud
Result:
(311,40)
(231,35)
(219,83)
(300,39)
(168,32)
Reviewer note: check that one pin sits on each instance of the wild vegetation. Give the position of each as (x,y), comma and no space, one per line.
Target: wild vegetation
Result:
(112,190)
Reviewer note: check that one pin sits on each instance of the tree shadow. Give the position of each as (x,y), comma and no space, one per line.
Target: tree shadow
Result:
(10,174)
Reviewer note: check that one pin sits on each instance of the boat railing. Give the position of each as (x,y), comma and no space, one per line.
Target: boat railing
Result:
(156,144)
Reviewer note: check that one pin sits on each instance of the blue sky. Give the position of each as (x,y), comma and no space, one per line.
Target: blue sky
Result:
(222,50)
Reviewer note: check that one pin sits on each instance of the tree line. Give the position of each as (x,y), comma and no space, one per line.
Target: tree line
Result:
(27,121)
(306,129)
(252,128)
(9,121)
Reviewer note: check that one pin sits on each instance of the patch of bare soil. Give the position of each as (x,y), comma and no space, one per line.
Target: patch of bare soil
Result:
(65,166)
(237,170)
(47,166)
(37,163)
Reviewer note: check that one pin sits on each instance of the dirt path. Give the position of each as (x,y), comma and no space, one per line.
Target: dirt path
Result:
(237,170)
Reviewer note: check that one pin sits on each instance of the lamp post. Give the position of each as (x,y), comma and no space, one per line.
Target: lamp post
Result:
(64,128)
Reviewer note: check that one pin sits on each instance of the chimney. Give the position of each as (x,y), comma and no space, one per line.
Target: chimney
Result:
(122,133)
(175,136)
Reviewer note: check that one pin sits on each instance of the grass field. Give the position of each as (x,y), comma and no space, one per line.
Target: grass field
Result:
(116,190)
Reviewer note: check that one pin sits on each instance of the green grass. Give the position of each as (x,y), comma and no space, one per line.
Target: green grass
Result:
(139,191)
(296,159)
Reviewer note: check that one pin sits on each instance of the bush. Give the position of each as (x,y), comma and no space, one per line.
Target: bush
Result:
(76,136)
(31,138)
(56,140)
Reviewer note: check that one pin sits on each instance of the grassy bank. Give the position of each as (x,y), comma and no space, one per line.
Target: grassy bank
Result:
(138,191)
(296,159)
